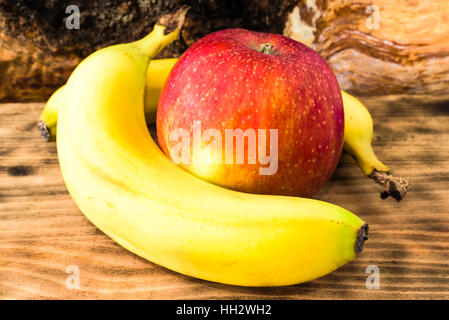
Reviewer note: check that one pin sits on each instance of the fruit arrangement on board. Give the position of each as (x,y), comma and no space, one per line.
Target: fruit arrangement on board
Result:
(190,216)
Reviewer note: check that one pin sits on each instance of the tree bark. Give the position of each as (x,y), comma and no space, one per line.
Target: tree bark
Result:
(379,46)
(407,53)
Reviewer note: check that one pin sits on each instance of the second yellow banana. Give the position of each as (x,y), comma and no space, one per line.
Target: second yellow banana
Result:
(157,72)
(358,121)
(129,189)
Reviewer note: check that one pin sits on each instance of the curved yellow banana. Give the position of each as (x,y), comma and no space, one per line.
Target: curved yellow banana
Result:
(358,122)
(157,72)
(358,137)
(128,188)
(49,116)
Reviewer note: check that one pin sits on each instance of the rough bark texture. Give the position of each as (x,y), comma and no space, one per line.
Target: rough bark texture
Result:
(38,52)
(379,46)
(408,53)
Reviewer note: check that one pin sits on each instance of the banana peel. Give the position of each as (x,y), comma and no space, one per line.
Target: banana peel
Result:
(358,134)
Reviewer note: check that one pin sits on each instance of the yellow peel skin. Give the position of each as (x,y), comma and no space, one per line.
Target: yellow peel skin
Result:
(359,135)
(157,74)
(358,122)
(129,189)
(49,116)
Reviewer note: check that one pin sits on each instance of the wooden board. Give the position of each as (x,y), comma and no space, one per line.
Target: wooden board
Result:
(42,232)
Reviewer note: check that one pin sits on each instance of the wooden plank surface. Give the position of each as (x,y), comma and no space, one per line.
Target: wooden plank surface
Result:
(42,232)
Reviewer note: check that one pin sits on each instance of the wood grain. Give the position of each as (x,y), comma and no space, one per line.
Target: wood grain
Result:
(42,231)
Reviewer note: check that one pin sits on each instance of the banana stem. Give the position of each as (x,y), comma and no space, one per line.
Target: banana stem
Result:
(362,236)
(395,187)
(164,32)
(44,130)
(173,21)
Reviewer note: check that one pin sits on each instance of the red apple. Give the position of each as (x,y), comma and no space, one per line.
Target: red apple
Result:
(239,79)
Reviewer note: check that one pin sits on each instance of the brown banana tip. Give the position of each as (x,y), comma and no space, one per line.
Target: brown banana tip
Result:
(362,236)
(396,187)
(44,130)
(173,21)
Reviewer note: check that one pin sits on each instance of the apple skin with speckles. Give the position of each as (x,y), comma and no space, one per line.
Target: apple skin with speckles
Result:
(240,79)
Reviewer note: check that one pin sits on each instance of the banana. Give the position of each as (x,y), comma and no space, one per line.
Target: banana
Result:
(358,136)
(49,116)
(157,72)
(128,188)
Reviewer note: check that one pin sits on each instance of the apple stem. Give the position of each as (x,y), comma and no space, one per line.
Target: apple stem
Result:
(395,187)
(266,48)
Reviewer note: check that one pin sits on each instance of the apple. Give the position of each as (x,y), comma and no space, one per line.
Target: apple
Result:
(254,112)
